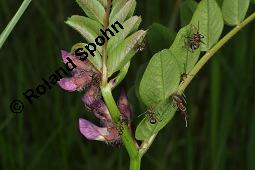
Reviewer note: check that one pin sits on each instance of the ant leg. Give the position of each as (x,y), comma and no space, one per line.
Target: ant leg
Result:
(185,118)
(183,98)
(157,117)
(120,129)
(202,42)
(174,105)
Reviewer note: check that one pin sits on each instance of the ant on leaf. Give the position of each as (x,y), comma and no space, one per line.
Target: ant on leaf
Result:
(151,115)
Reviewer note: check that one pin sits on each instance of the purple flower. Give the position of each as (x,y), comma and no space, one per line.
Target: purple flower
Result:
(92,100)
(124,106)
(93,132)
(108,132)
(82,75)
(125,109)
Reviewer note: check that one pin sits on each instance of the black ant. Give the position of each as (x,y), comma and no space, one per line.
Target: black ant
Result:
(195,40)
(180,102)
(151,116)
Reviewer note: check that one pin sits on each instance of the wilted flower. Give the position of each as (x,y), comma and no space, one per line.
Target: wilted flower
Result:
(124,106)
(82,75)
(108,132)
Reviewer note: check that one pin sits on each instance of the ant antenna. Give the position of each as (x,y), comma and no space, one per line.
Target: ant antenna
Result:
(198,25)
(143,113)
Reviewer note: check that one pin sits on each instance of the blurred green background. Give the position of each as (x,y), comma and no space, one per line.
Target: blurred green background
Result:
(221,100)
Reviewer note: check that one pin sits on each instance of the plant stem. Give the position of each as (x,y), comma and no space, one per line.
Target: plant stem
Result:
(104,52)
(126,136)
(146,145)
(117,80)
(106,88)
(135,164)
(13,22)
(212,51)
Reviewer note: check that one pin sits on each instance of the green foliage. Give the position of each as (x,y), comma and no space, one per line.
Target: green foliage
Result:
(121,47)
(124,52)
(209,17)
(124,12)
(221,132)
(164,113)
(103,2)
(159,37)
(186,11)
(185,58)
(160,79)
(93,9)
(234,11)
(87,27)
(96,60)
(130,26)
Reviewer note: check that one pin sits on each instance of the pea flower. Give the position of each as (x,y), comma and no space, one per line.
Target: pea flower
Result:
(108,133)
(85,76)
(82,75)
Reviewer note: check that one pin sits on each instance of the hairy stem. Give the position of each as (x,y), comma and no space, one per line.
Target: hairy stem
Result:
(104,51)
(126,136)
(111,104)
(212,51)
(13,22)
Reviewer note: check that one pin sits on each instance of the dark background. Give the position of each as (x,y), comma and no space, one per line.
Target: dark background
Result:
(221,132)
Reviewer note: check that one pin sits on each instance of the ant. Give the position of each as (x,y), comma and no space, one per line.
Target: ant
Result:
(180,102)
(185,74)
(195,40)
(123,120)
(151,116)
(140,47)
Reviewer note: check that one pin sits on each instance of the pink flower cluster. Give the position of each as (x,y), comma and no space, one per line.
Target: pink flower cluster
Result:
(85,77)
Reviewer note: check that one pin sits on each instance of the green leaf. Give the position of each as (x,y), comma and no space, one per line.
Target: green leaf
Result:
(185,58)
(130,26)
(96,60)
(164,113)
(93,9)
(103,2)
(161,78)
(123,13)
(159,37)
(209,17)
(132,10)
(87,27)
(121,75)
(234,11)
(116,2)
(124,52)
(186,11)
(116,6)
